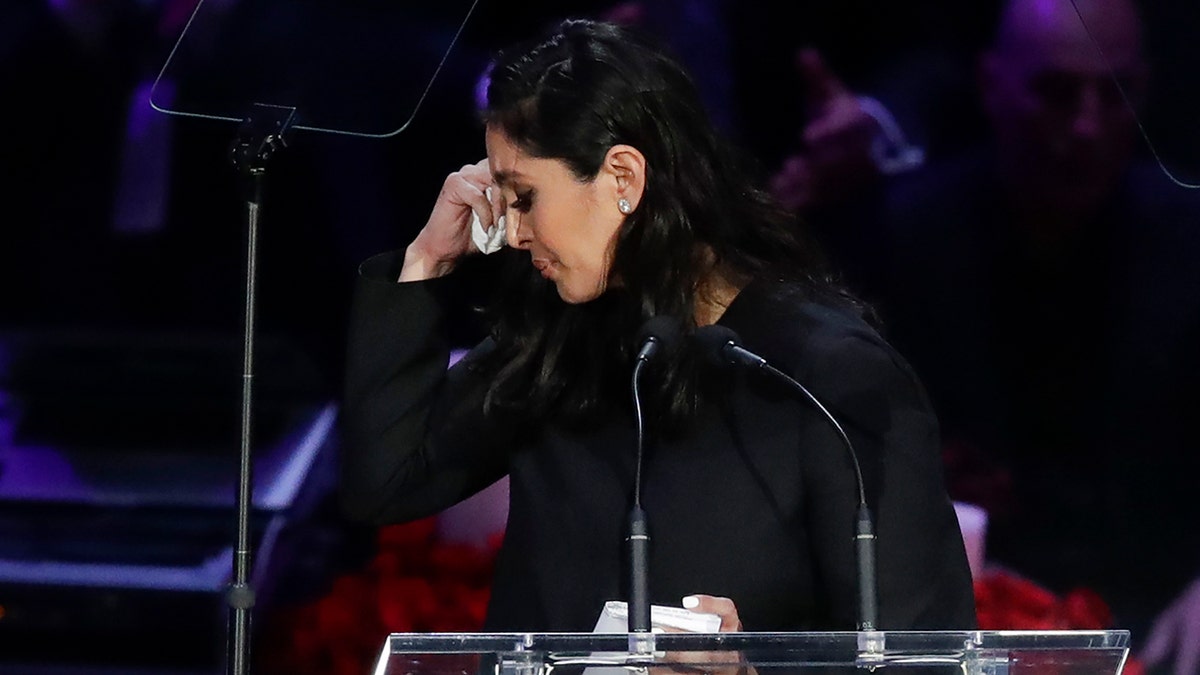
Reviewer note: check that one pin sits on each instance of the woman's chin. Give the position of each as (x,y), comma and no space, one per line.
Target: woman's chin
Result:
(573,296)
(572,299)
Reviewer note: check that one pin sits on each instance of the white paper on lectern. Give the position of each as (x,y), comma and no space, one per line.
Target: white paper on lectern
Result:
(614,618)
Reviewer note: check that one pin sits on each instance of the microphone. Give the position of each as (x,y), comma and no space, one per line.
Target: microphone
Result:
(721,346)
(656,335)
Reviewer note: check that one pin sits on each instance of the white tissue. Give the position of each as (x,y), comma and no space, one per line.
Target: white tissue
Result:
(491,240)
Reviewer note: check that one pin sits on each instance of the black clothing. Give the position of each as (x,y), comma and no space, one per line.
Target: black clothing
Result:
(756,504)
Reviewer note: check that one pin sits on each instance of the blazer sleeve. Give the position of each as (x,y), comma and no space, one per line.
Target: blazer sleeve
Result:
(924,582)
(416,440)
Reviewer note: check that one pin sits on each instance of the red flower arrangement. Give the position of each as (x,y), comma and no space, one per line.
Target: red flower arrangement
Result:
(415,583)
(1005,601)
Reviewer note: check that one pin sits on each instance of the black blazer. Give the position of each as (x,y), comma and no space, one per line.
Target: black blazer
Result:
(757,503)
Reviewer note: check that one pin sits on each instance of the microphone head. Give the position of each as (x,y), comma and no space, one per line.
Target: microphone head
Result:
(712,342)
(664,330)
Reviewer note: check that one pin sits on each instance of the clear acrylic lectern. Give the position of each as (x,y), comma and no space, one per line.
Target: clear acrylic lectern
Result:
(966,652)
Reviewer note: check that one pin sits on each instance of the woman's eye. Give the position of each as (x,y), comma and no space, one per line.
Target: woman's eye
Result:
(523,201)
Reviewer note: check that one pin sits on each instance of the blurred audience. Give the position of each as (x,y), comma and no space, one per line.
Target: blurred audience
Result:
(853,96)
(1045,286)
(762,67)
(840,136)
(908,56)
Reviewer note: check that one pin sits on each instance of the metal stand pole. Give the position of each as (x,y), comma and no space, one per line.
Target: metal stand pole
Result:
(261,137)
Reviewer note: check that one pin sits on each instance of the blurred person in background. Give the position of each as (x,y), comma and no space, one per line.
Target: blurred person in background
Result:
(1046,285)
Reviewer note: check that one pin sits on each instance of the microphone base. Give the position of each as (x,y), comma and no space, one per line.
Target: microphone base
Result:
(641,644)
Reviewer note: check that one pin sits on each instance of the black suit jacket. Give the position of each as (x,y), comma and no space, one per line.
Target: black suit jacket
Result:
(755,503)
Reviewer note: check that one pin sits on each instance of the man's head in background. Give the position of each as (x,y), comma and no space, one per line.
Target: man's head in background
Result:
(1062,129)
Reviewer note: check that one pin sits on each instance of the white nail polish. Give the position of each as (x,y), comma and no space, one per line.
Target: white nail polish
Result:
(691,602)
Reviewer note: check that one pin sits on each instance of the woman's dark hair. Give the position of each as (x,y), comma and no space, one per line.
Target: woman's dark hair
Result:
(573,96)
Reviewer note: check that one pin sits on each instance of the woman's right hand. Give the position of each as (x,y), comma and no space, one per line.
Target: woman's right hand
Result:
(712,663)
(446,236)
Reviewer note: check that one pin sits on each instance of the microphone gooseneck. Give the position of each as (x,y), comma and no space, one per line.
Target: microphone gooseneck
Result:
(638,532)
(721,346)
(657,334)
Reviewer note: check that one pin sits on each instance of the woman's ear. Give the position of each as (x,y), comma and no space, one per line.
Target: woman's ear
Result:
(625,168)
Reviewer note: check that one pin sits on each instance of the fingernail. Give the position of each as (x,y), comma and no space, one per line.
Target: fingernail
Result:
(691,602)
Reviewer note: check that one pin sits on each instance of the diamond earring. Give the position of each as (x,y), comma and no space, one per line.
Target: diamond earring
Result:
(624,206)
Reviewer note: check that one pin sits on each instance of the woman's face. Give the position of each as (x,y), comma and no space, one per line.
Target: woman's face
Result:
(569,226)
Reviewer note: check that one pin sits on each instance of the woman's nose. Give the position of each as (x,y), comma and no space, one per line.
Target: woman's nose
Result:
(517,236)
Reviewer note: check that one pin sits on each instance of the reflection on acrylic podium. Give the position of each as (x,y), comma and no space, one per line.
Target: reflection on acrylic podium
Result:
(948,652)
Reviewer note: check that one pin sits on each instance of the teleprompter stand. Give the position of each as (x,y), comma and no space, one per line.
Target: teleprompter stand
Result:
(261,137)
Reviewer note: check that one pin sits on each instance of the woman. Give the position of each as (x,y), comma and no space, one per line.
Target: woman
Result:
(612,182)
